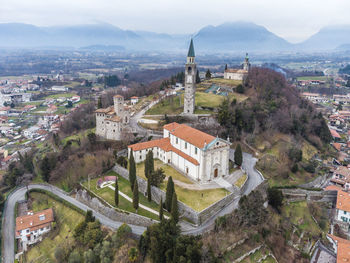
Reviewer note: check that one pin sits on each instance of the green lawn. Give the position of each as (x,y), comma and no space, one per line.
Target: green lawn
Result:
(222,81)
(312,78)
(66,221)
(168,170)
(300,216)
(196,199)
(239,183)
(124,187)
(65,95)
(172,105)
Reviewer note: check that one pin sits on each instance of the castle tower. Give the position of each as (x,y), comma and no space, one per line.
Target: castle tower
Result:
(190,81)
(118,105)
(246,64)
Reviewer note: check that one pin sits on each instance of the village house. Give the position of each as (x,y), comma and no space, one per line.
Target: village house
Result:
(196,154)
(31,227)
(134,100)
(341,248)
(112,121)
(341,177)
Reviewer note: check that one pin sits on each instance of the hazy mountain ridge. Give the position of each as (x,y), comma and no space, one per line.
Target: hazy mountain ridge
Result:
(227,37)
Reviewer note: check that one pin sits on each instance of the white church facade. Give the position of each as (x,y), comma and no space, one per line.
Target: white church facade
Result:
(196,154)
(112,121)
(238,74)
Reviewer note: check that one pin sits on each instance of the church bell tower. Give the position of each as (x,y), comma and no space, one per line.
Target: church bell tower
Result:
(190,81)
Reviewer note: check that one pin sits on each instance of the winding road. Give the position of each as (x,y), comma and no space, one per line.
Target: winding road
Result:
(19,194)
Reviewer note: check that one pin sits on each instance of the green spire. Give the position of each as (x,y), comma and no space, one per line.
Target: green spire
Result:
(191,50)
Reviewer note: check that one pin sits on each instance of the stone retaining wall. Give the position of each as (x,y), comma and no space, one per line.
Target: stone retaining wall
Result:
(184,210)
(129,218)
(302,194)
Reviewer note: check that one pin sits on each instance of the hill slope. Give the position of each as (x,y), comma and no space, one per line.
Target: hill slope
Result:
(239,36)
(327,38)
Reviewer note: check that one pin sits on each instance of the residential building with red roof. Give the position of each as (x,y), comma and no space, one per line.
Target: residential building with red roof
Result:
(134,100)
(31,227)
(341,247)
(198,155)
(341,177)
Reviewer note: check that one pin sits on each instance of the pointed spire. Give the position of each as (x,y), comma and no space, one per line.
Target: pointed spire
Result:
(191,50)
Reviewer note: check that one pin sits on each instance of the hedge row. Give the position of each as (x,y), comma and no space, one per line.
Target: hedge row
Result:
(59,199)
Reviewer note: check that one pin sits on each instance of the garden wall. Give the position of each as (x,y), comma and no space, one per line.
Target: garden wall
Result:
(129,218)
(185,211)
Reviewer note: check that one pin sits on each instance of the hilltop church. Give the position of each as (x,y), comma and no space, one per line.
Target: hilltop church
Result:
(238,74)
(112,121)
(198,155)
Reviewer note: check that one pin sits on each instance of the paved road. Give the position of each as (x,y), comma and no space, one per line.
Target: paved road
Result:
(138,115)
(19,194)
(254,179)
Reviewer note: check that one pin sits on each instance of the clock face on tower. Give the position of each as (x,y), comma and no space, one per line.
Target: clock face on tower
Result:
(189,79)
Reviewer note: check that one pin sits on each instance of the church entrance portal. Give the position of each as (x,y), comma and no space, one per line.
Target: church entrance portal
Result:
(216,173)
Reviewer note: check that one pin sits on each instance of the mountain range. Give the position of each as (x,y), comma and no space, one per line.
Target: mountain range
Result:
(227,37)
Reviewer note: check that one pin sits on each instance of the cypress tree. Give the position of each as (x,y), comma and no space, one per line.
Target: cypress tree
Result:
(149,190)
(116,192)
(161,209)
(99,103)
(147,165)
(238,155)
(169,193)
(198,79)
(132,170)
(174,209)
(150,163)
(135,196)
(226,67)
(208,74)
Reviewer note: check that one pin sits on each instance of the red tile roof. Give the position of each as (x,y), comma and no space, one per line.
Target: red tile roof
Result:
(343,201)
(163,144)
(334,133)
(343,249)
(33,221)
(337,146)
(189,134)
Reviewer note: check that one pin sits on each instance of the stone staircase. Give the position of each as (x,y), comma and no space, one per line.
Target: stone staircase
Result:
(225,184)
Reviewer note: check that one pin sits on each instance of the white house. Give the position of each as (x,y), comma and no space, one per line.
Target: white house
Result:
(134,100)
(198,155)
(31,227)
(342,215)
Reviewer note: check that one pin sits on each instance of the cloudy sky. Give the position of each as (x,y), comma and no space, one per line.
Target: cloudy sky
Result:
(294,20)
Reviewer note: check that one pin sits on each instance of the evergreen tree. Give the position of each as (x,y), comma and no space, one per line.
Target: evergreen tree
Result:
(161,209)
(149,190)
(151,163)
(132,170)
(99,103)
(226,67)
(135,196)
(116,192)
(169,194)
(174,209)
(198,79)
(208,74)
(238,155)
(45,169)
(147,165)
